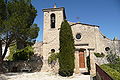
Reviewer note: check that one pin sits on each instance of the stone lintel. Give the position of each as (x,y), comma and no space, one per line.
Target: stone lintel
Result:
(91,49)
(78,49)
(81,44)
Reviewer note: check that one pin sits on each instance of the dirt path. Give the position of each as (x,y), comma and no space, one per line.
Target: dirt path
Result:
(43,76)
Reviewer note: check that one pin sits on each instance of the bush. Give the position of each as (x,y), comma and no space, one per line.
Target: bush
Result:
(67,49)
(111,58)
(65,73)
(52,57)
(116,65)
(23,54)
(99,55)
(112,72)
(13,49)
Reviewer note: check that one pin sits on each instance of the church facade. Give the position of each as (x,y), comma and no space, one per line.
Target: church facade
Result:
(87,38)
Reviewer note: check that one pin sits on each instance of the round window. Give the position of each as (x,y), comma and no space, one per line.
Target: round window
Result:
(107,49)
(78,36)
(52,50)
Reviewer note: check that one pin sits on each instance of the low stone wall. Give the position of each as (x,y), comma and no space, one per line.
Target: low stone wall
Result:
(101,74)
(17,66)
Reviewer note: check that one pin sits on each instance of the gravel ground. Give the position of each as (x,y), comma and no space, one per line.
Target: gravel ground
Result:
(42,76)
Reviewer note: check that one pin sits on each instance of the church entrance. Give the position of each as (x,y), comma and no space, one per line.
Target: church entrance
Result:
(81,59)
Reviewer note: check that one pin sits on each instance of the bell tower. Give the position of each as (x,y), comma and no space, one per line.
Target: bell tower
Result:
(53,17)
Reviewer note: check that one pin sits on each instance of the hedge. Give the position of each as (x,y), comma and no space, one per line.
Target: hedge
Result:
(111,72)
(99,55)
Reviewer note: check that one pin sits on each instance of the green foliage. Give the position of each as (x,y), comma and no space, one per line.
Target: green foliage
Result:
(115,65)
(112,72)
(67,49)
(13,49)
(99,55)
(23,54)
(117,60)
(111,58)
(21,20)
(2,16)
(16,23)
(2,10)
(52,57)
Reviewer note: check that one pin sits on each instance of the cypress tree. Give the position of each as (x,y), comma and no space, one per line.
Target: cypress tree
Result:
(67,49)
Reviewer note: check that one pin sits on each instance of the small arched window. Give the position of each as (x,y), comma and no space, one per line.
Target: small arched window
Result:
(107,49)
(52,20)
(52,50)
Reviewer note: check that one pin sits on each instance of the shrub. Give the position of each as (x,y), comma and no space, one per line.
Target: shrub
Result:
(23,54)
(112,72)
(67,49)
(99,55)
(116,65)
(111,58)
(13,49)
(52,57)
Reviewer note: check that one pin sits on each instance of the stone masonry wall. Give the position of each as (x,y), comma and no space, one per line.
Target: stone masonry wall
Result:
(17,66)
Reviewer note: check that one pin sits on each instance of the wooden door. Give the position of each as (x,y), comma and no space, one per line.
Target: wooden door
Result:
(81,60)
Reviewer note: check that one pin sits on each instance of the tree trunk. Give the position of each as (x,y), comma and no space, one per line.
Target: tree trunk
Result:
(20,44)
(5,51)
(0,50)
(1,56)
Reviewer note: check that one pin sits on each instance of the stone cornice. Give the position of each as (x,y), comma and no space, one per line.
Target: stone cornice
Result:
(53,9)
(85,24)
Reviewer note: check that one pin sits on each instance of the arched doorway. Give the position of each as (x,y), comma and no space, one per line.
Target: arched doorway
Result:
(52,20)
(81,58)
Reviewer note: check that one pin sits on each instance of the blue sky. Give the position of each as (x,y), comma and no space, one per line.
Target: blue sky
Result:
(104,13)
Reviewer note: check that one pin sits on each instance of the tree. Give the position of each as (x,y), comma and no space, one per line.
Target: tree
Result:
(52,59)
(2,18)
(23,54)
(112,57)
(67,49)
(22,15)
(17,27)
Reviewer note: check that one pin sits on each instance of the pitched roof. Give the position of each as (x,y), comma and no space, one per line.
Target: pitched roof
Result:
(71,23)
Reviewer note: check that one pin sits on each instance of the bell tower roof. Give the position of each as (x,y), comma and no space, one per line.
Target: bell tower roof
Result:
(53,9)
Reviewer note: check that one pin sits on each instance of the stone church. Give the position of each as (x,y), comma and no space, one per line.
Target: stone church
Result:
(87,38)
